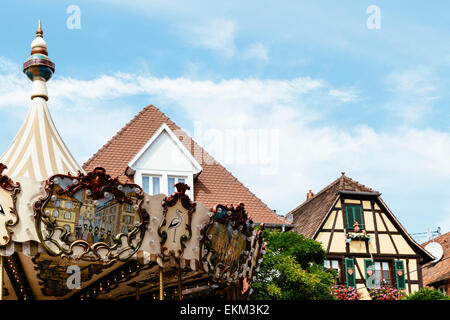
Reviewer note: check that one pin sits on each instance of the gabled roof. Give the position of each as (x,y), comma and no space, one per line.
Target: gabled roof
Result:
(310,214)
(164,128)
(440,271)
(214,185)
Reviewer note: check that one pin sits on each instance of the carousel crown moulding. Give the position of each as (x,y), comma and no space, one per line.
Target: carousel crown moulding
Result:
(124,242)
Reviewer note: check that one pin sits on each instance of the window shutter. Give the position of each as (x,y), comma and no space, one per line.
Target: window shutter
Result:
(354,213)
(369,266)
(350,273)
(400,274)
(358,214)
(350,217)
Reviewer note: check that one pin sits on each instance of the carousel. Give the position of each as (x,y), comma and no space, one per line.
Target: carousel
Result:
(70,234)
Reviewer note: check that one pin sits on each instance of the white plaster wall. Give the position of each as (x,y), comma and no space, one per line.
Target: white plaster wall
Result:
(164,158)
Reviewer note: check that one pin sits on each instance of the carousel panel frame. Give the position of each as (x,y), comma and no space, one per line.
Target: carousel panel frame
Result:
(11,216)
(97,186)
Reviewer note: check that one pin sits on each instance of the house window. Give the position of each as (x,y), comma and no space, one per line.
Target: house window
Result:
(354,214)
(55,214)
(382,273)
(333,265)
(57,203)
(172,181)
(68,205)
(151,184)
(67,215)
(67,227)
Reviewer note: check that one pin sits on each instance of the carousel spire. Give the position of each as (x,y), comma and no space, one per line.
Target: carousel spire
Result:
(38,151)
(39,68)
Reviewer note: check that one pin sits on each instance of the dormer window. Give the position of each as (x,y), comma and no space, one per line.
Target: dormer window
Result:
(171,181)
(163,162)
(151,184)
(354,218)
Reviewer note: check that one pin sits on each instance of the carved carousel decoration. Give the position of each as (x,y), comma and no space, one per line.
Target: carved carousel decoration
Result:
(70,234)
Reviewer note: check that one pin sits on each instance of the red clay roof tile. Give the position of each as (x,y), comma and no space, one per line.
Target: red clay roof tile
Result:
(214,185)
(440,271)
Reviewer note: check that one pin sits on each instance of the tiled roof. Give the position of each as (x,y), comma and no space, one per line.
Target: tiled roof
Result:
(309,215)
(214,185)
(440,271)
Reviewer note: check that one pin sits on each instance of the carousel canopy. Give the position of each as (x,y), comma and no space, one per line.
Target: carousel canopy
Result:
(38,151)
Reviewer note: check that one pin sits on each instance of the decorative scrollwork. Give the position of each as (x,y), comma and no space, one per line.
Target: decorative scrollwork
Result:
(7,201)
(226,243)
(91,217)
(255,258)
(180,218)
(5,182)
(97,182)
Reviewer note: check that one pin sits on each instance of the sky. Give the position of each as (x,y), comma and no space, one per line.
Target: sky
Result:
(285,94)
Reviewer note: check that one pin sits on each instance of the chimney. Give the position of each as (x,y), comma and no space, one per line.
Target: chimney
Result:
(309,195)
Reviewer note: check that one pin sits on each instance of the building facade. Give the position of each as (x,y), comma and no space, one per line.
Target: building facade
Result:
(363,240)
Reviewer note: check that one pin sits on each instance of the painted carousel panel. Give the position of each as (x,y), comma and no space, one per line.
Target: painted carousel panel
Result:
(91,217)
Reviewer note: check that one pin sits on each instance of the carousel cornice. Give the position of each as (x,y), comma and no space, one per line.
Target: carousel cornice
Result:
(223,248)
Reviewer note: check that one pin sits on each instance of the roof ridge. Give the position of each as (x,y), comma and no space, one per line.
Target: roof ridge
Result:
(341,186)
(118,134)
(249,191)
(236,179)
(316,195)
(151,116)
(358,183)
(441,237)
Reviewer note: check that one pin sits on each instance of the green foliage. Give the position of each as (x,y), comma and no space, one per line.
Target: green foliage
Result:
(296,245)
(427,294)
(291,269)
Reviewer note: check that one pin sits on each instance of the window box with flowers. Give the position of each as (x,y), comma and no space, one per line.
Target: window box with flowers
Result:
(344,293)
(357,234)
(386,293)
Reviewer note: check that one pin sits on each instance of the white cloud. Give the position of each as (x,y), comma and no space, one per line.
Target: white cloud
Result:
(344,95)
(311,155)
(256,51)
(215,34)
(413,93)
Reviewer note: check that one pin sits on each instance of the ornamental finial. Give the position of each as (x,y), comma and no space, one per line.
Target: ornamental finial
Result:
(39,65)
(39,31)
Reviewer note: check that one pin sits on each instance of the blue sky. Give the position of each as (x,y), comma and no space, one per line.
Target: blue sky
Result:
(338,95)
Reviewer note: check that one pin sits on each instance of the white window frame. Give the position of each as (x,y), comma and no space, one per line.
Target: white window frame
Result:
(331,264)
(150,183)
(379,267)
(164,179)
(177,180)
(163,187)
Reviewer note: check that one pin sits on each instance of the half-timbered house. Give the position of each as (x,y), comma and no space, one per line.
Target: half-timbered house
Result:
(363,240)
